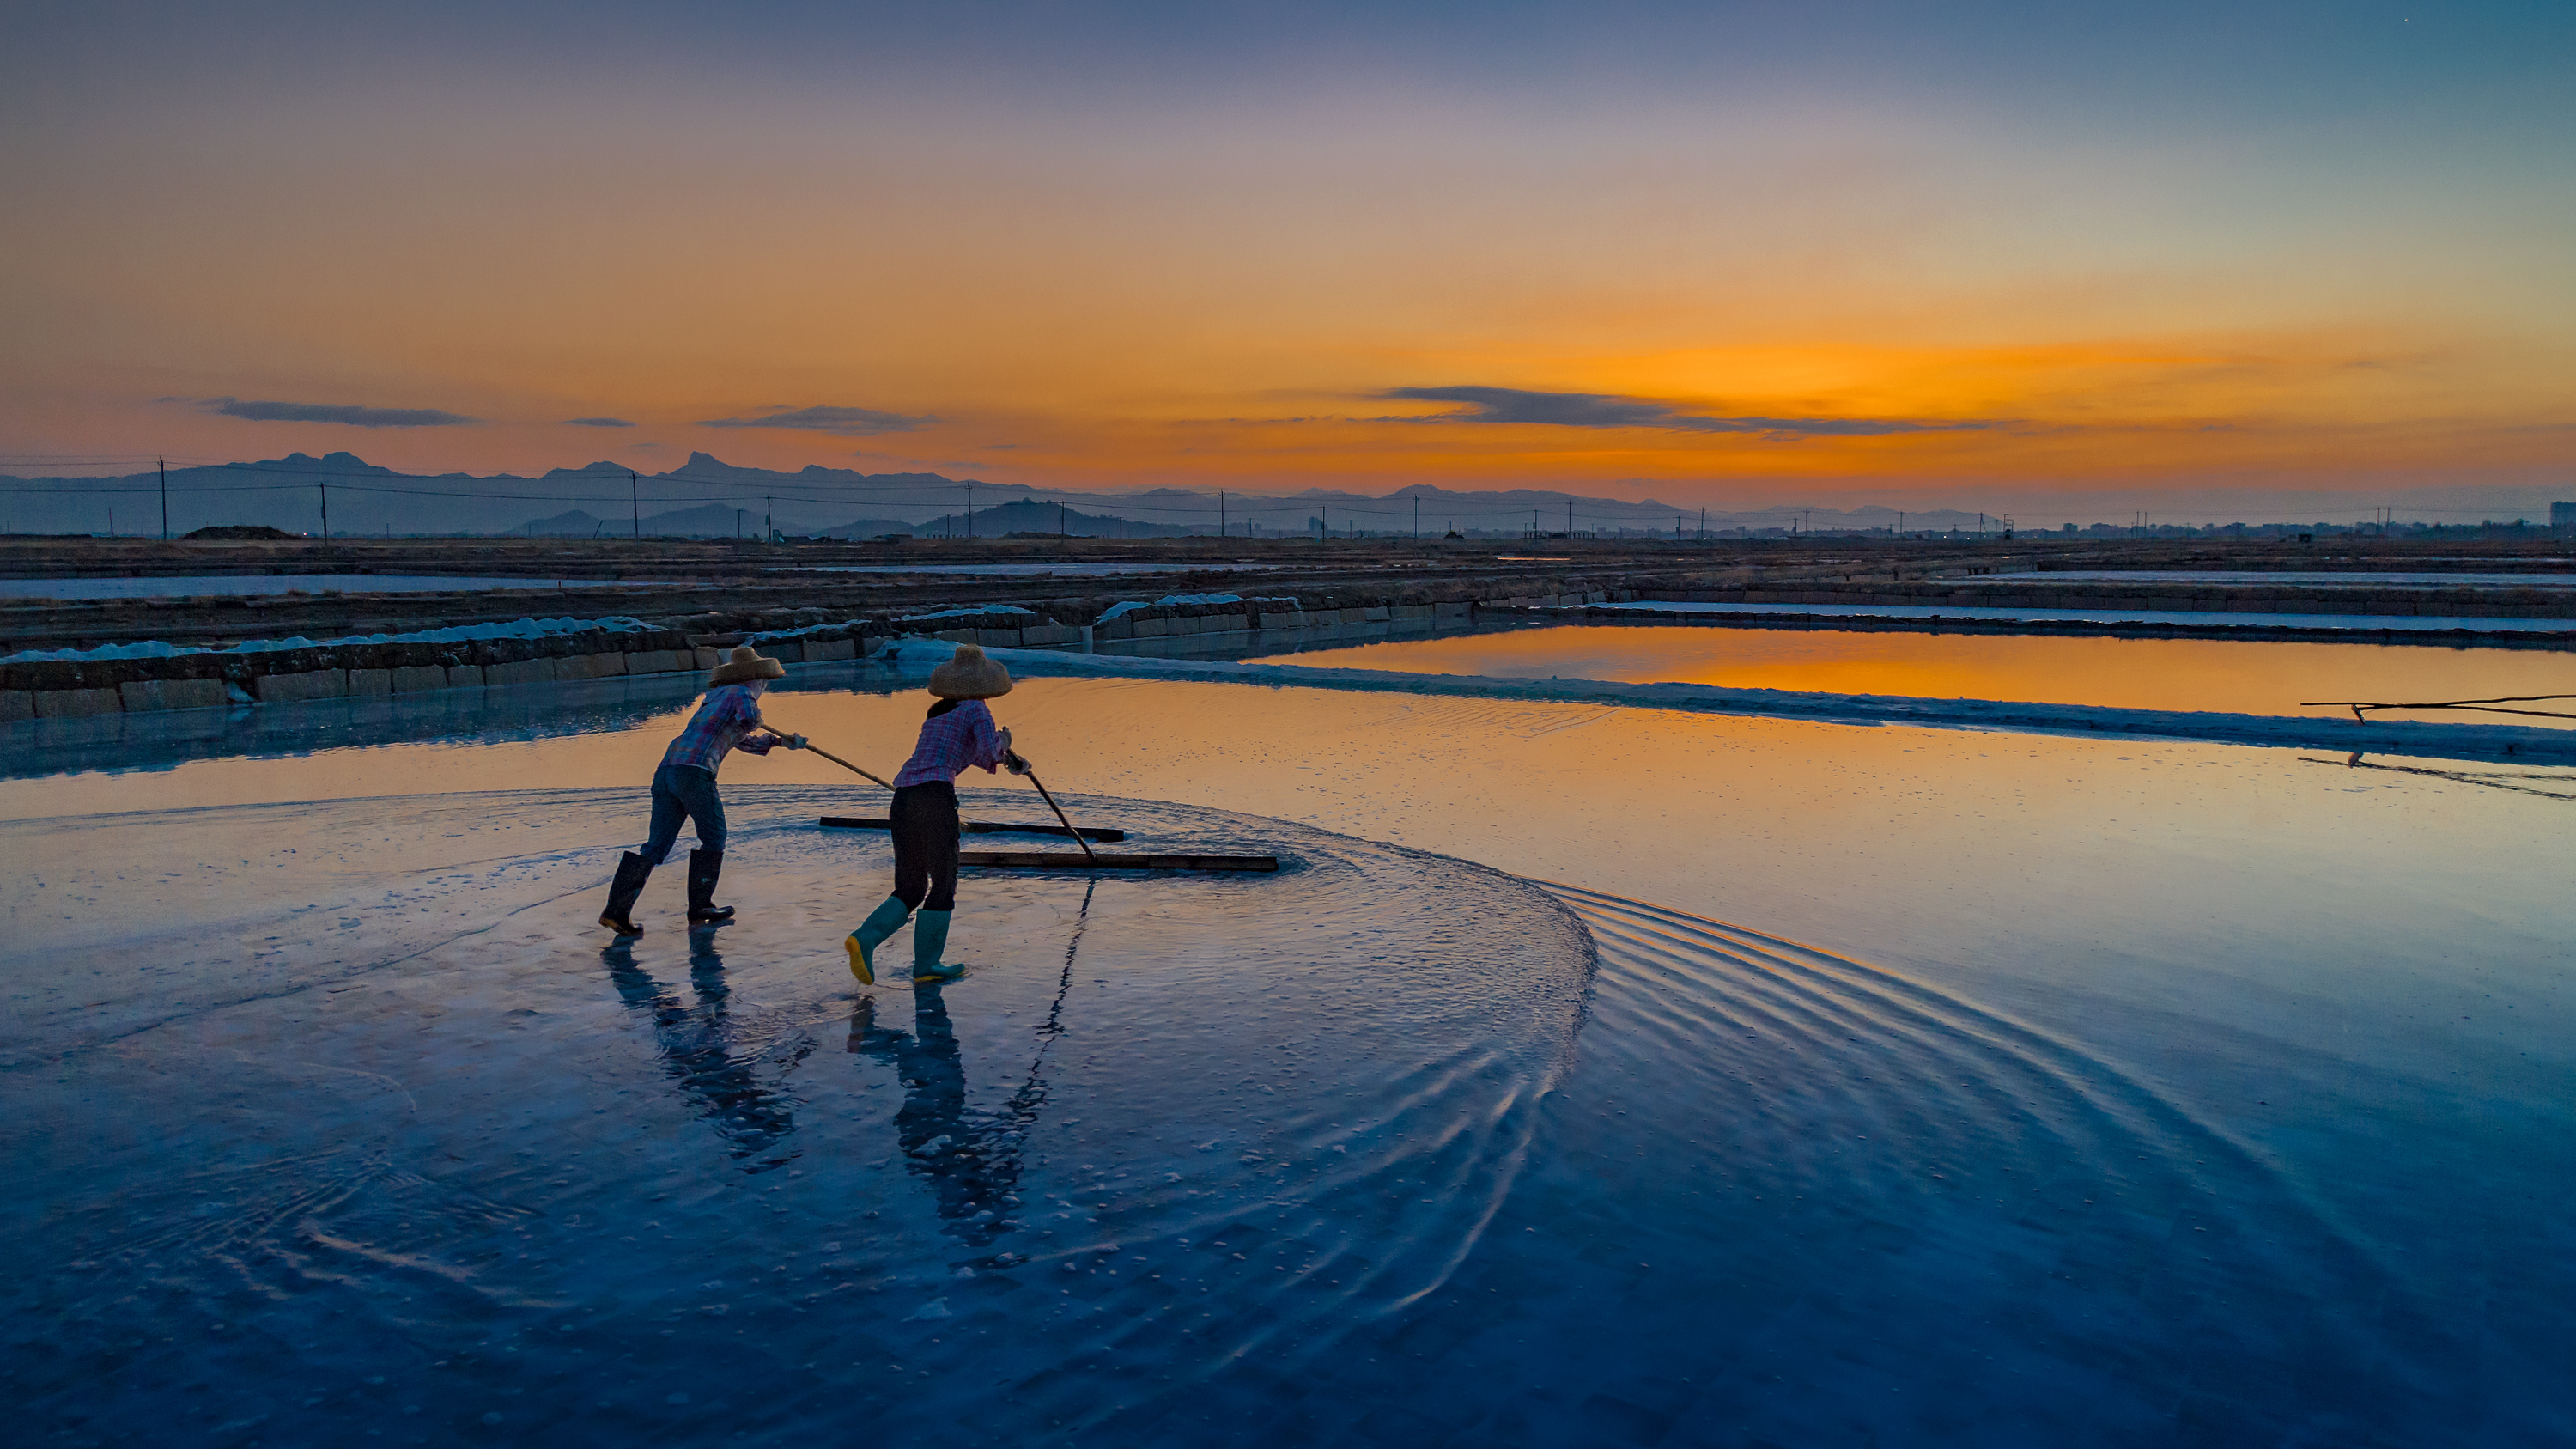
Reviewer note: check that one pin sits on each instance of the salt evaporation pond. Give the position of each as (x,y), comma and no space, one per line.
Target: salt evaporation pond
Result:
(1028,570)
(1849,1086)
(2328,578)
(2275,677)
(2096,614)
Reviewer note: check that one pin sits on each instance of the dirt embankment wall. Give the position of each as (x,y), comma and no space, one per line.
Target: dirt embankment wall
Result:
(69,688)
(2173,598)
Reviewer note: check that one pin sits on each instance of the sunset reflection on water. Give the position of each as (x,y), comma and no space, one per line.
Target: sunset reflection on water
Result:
(1903,842)
(2221,675)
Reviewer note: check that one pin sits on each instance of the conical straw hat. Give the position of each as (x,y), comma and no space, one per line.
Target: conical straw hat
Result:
(747,664)
(970,676)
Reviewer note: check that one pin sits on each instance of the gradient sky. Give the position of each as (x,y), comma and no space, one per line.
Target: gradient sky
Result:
(2210,257)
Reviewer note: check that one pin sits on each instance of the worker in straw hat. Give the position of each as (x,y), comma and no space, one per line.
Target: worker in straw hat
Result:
(958,733)
(728,719)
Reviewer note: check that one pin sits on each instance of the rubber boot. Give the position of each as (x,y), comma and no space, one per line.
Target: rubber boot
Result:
(632,871)
(929,939)
(704,867)
(863,942)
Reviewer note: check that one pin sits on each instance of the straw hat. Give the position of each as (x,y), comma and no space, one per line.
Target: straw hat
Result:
(970,676)
(745,666)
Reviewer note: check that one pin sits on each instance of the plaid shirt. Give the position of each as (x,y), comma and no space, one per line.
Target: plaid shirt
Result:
(717,728)
(964,736)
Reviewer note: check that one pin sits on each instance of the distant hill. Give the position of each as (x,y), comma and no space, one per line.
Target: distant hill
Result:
(700,497)
(240,533)
(576,524)
(1051,519)
(707,497)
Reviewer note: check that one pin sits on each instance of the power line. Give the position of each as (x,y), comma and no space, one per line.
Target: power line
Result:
(864,493)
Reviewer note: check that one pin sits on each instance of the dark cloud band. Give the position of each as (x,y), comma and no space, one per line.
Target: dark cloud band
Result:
(356,417)
(848,422)
(597,423)
(1604,410)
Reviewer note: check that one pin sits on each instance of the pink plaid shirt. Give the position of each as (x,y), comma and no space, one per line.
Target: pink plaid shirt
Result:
(964,736)
(717,729)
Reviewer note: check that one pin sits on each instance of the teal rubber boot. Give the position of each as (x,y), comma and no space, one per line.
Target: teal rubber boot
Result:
(882,922)
(929,939)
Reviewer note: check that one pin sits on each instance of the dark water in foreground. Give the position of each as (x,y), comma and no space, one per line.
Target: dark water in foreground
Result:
(2205,1096)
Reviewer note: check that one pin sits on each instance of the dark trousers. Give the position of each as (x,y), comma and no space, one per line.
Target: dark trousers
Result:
(925,846)
(687,792)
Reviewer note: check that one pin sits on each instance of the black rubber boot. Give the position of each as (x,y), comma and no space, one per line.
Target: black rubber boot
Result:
(704,867)
(631,875)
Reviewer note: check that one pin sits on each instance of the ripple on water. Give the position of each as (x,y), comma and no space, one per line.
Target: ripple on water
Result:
(1164,1126)
(1788,1196)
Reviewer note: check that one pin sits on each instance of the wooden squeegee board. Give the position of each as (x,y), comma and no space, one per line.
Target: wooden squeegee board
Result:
(971,827)
(1112,860)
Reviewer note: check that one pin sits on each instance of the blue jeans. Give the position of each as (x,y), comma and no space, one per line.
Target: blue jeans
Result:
(684,791)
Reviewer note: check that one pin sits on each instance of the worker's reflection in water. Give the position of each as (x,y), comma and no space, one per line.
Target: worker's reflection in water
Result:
(971,1159)
(701,1052)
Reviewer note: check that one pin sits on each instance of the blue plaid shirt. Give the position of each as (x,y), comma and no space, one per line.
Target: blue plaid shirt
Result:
(718,728)
(950,743)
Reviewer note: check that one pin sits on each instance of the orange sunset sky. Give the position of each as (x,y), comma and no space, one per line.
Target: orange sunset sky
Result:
(1726,256)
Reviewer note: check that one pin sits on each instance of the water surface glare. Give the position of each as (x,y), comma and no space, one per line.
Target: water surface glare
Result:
(2229,676)
(2555,579)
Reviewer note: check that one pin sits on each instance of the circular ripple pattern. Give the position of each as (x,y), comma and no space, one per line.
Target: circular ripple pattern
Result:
(1788,1197)
(451,1166)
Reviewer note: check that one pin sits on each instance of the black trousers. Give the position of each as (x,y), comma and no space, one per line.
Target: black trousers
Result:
(925,846)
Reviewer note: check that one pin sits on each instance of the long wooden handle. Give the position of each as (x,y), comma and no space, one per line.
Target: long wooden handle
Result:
(1087,852)
(844,764)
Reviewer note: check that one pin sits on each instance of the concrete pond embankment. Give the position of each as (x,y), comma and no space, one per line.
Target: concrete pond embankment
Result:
(141,678)
(73,658)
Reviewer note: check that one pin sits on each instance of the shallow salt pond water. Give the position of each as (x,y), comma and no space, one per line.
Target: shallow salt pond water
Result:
(1928,1087)
(2273,677)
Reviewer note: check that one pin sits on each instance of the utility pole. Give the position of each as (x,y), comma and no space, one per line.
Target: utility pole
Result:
(1059,519)
(769,520)
(326,512)
(1569,520)
(635,500)
(1703,521)
(970,510)
(165,498)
